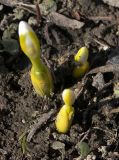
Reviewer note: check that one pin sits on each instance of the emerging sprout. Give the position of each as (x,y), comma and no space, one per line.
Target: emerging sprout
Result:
(82,55)
(40,75)
(80,70)
(65,116)
(68,97)
(82,65)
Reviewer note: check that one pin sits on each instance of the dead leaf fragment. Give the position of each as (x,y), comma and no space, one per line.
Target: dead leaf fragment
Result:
(63,21)
(114,3)
(98,81)
(10,31)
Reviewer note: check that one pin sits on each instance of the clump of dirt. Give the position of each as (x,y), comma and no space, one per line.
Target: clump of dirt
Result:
(96,107)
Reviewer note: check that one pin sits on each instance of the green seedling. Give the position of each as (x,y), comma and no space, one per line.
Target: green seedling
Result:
(23,143)
(83,149)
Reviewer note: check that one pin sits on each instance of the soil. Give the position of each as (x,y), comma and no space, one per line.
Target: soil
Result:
(96,118)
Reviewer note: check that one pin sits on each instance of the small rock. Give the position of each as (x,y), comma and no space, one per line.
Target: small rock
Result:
(23,121)
(58,145)
(1,7)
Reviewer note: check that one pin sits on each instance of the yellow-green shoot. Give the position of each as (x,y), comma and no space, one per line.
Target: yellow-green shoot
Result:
(40,74)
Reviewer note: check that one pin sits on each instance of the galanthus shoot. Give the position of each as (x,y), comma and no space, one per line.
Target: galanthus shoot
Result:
(40,74)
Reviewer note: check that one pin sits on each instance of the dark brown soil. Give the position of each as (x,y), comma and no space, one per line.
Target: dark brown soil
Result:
(95,122)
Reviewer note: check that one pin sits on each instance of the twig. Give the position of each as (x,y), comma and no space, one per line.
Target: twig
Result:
(101,42)
(115,110)
(42,120)
(85,135)
(98,18)
(38,14)
(104,69)
(28,7)
(54,33)
(46,34)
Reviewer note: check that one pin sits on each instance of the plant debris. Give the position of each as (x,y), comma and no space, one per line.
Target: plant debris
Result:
(41,121)
(114,3)
(64,21)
